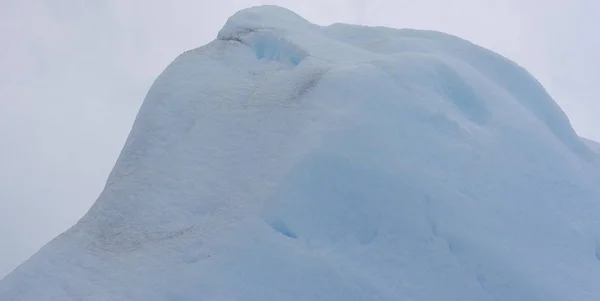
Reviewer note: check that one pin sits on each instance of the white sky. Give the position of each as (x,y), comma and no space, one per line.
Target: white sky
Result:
(73,74)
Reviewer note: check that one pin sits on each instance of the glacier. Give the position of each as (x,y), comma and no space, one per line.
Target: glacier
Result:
(290,161)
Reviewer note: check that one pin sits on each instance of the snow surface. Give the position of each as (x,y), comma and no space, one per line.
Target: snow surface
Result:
(593,145)
(290,161)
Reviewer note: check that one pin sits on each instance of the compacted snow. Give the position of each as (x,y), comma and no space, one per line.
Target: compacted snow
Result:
(290,161)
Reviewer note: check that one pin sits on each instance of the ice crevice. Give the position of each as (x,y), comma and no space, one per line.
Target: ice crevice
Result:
(269,46)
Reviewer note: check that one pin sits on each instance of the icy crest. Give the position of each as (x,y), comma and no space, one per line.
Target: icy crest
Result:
(290,161)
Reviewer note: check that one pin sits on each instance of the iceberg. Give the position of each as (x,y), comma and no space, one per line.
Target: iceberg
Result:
(290,161)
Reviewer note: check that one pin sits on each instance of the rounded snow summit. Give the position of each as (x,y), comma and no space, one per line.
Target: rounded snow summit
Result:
(290,161)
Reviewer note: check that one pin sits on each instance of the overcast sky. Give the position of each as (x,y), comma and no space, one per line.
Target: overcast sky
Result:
(73,74)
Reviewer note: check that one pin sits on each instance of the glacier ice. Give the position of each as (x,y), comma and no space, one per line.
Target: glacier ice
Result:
(290,161)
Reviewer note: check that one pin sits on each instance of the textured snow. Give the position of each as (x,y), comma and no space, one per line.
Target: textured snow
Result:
(290,161)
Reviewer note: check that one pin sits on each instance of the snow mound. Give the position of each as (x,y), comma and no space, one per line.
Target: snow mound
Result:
(290,161)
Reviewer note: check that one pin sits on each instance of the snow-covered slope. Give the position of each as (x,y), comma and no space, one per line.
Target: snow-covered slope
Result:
(593,145)
(289,161)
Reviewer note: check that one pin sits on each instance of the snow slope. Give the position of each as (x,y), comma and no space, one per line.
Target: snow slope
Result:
(290,161)
(593,145)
